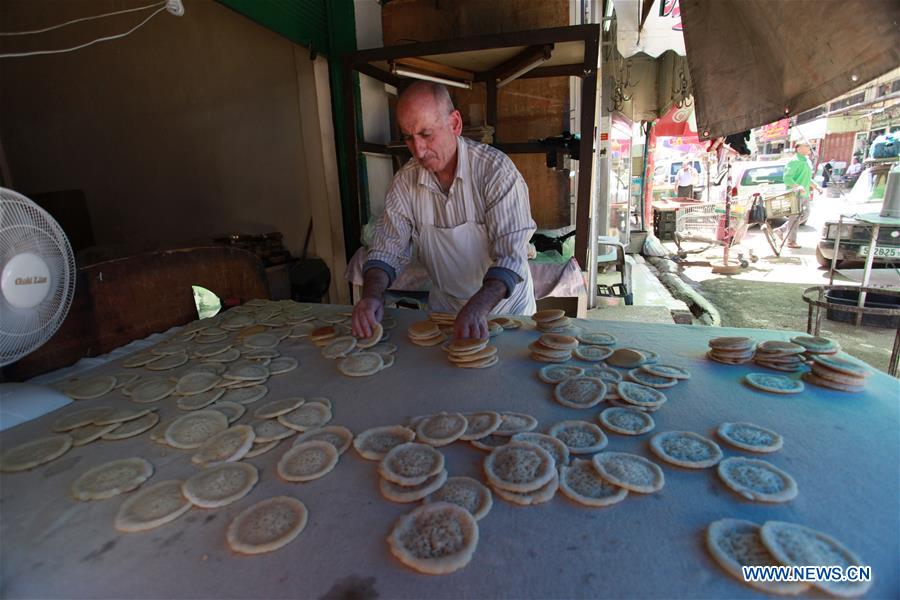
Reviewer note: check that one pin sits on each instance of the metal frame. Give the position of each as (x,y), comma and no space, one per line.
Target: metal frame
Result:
(362,62)
(820,301)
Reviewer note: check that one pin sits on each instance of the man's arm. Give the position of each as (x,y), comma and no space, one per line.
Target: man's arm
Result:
(509,226)
(791,174)
(389,254)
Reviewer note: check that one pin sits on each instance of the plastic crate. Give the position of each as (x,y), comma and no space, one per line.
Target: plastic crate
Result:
(782,205)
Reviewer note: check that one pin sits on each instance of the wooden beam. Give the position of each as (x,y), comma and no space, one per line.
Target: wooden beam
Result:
(522,148)
(482,42)
(383,149)
(530,57)
(576,70)
(434,68)
(586,153)
(376,73)
(491,114)
(573,70)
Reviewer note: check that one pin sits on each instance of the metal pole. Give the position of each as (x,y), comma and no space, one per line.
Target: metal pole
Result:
(598,223)
(837,245)
(867,271)
(818,325)
(895,355)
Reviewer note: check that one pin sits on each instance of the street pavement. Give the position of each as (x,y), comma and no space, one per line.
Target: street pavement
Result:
(768,293)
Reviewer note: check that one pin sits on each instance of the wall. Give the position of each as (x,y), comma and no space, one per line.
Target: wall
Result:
(527,109)
(187,129)
(375,111)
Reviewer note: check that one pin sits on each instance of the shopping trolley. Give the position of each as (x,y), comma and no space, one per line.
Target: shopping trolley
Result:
(708,224)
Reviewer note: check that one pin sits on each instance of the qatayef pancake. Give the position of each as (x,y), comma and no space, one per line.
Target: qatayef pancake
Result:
(581,482)
(512,423)
(480,424)
(133,427)
(267,526)
(557,449)
(734,544)
(90,388)
(194,429)
(627,421)
(630,471)
(411,464)
(748,436)
(538,496)
(111,478)
(580,391)
(307,461)
(686,449)
(435,539)
(374,443)
(519,467)
(402,493)
(227,446)
(337,435)
(441,429)
(78,419)
(467,493)
(362,364)
(220,485)
(757,479)
(152,506)
(580,437)
(794,544)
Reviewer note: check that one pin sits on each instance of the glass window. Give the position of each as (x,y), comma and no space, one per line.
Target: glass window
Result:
(761,175)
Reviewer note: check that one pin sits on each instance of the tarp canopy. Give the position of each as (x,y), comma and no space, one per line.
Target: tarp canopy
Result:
(648,26)
(753,62)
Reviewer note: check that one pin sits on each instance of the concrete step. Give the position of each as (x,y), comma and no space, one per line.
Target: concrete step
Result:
(652,301)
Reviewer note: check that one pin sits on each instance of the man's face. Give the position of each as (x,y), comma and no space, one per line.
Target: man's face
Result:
(429,134)
(803,150)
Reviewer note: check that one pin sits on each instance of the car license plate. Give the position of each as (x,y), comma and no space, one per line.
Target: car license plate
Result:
(881,251)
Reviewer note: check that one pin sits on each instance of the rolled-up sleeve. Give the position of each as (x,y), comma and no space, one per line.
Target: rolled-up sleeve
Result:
(508,220)
(391,247)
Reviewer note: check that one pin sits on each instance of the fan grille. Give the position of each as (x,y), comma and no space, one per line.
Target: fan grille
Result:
(26,227)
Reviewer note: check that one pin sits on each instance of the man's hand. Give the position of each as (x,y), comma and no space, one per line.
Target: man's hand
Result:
(367,313)
(471,322)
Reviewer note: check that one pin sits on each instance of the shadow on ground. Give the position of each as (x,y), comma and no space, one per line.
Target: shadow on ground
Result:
(773,305)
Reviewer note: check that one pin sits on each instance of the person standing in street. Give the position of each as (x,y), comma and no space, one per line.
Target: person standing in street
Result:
(853,171)
(685,179)
(797,176)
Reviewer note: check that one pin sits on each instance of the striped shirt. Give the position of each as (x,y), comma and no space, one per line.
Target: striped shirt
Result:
(501,203)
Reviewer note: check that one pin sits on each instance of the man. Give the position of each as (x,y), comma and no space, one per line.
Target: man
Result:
(853,171)
(797,176)
(826,174)
(685,180)
(465,206)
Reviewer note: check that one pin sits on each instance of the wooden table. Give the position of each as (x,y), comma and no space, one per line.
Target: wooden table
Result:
(841,448)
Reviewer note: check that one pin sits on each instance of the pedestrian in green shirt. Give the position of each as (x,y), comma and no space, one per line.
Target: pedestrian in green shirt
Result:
(797,176)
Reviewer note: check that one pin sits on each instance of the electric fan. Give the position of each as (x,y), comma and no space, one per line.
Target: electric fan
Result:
(36,288)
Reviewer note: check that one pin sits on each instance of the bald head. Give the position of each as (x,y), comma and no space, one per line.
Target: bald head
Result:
(430,125)
(427,93)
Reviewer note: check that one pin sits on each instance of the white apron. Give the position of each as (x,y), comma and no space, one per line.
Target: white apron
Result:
(457,259)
